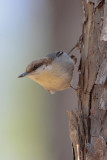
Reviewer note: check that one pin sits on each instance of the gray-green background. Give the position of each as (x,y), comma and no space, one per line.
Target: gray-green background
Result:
(33,123)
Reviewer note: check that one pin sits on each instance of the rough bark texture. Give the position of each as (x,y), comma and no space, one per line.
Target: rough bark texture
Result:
(88,126)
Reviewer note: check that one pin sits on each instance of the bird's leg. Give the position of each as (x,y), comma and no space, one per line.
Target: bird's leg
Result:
(76,89)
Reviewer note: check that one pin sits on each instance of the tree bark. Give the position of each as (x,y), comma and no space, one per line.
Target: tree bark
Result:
(88,125)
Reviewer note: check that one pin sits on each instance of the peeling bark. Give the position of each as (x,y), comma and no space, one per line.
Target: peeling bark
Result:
(95,2)
(97,151)
(88,126)
(104,30)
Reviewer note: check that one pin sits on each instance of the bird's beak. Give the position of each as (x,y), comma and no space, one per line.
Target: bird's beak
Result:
(23,75)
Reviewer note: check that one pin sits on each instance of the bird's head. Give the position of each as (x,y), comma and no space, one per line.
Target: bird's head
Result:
(35,68)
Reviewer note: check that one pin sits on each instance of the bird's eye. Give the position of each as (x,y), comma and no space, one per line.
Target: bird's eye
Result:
(35,67)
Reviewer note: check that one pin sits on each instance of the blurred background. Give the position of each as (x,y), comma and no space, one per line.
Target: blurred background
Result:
(34,123)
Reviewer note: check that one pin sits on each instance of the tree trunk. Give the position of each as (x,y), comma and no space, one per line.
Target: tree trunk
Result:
(88,125)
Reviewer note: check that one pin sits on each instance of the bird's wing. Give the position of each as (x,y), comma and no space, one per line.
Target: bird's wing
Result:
(55,54)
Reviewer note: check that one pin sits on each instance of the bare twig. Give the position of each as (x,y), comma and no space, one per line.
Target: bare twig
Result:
(77,45)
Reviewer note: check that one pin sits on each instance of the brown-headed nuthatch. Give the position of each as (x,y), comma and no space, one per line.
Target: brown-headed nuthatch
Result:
(54,72)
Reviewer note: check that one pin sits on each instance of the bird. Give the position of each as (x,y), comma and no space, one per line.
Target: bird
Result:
(53,72)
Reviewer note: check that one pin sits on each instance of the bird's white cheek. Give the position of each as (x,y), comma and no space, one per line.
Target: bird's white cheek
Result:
(49,67)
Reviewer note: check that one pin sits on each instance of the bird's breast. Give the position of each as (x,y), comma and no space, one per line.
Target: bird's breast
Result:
(53,80)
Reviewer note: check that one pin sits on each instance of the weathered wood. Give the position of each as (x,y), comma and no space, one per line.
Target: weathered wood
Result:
(88,126)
